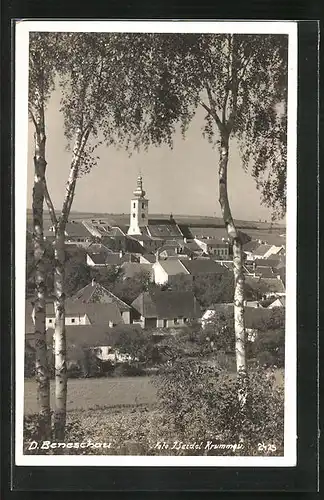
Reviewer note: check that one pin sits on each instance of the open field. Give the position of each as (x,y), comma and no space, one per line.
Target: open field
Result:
(191,220)
(101,392)
(86,394)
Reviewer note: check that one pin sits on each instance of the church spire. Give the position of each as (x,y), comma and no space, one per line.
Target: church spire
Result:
(139,191)
(139,209)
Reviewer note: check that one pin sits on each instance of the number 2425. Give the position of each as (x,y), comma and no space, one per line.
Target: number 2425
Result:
(266,447)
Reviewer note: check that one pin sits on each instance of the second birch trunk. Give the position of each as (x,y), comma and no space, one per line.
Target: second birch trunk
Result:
(234,235)
(59,339)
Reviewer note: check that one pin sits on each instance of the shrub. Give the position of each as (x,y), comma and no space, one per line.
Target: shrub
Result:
(201,403)
(128,370)
(269,348)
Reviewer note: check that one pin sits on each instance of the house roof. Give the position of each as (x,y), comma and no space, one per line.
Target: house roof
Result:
(262,249)
(173,267)
(164,230)
(77,230)
(98,258)
(134,246)
(167,305)
(140,237)
(251,314)
(265,285)
(274,285)
(149,257)
(250,246)
(193,246)
(273,261)
(98,294)
(88,335)
(91,335)
(130,269)
(203,266)
(114,258)
(212,232)
(98,314)
(214,242)
(278,301)
(265,272)
(93,248)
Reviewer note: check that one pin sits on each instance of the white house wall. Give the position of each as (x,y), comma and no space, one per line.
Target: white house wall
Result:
(69,321)
(160,277)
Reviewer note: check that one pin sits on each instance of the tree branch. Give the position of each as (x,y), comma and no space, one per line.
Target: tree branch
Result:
(49,204)
(33,119)
(80,144)
(225,104)
(213,111)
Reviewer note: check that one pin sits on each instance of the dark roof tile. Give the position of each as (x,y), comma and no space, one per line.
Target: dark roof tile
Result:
(167,305)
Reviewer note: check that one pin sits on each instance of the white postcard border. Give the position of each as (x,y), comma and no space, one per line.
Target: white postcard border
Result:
(21,153)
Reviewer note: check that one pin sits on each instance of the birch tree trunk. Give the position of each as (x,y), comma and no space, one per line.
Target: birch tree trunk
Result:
(42,374)
(59,340)
(239,326)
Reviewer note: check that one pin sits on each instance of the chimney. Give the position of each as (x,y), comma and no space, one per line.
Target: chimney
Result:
(121,254)
(93,282)
(185,240)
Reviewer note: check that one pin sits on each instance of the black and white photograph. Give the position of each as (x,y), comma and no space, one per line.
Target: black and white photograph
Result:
(155,254)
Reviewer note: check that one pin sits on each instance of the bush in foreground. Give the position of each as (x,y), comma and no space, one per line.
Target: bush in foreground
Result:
(201,403)
(197,404)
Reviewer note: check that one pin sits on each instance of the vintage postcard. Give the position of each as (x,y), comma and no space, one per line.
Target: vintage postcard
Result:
(155,205)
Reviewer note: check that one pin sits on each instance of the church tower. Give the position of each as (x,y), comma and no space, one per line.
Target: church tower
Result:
(139,209)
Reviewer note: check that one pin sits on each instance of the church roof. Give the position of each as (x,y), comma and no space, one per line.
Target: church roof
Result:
(166,230)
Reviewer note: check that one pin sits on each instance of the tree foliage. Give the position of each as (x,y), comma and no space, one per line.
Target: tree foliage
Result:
(241,83)
(200,404)
(208,289)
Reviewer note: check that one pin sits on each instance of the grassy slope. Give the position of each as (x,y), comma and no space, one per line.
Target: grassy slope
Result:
(103,392)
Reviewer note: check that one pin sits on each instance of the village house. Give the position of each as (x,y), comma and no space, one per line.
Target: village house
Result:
(131,269)
(264,251)
(252,317)
(165,309)
(79,313)
(164,271)
(100,340)
(279,302)
(213,246)
(266,287)
(203,267)
(97,294)
(96,338)
(75,234)
(107,259)
(147,258)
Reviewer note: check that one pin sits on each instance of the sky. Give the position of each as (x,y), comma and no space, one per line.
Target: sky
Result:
(183,180)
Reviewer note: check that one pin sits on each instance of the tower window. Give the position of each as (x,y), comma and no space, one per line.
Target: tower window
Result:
(143,205)
(143,216)
(134,205)
(134,216)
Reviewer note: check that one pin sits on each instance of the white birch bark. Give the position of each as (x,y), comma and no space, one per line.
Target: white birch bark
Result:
(239,326)
(42,373)
(59,339)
